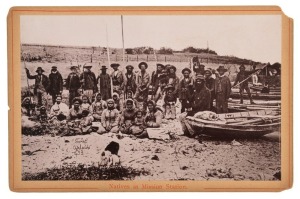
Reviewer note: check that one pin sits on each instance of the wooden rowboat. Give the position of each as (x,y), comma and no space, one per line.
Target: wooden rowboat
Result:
(235,125)
(263,96)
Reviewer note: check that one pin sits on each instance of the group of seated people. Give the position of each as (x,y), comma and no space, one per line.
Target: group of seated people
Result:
(99,116)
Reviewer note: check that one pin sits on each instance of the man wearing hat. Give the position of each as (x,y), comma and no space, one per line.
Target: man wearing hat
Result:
(172,78)
(210,84)
(40,86)
(242,77)
(73,84)
(156,76)
(103,80)
(117,79)
(185,89)
(197,67)
(143,80)
(222,90)
(55,83)
(201,96)
(130,81)
(89,82)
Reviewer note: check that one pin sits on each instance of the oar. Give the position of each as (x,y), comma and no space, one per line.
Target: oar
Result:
(249,76)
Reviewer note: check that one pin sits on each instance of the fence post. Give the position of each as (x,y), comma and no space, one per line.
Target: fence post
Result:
(165,58)
(127,57)
(137,57)
(207,60)
(147,58)
(91,58)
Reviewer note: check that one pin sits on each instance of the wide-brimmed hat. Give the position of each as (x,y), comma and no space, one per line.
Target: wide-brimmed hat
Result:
(76,99)
(143,63)
(186,69)
(103,68)
(89,66)
(201,65)
(114,65)
(171,66)
(39,69)
(129,66)
(201,77)
(170,87)
(242,66)
(221,68)
(161,65)
(54,68)
(208,71)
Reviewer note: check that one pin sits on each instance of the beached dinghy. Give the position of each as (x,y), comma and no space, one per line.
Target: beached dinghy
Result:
(262,96)
(234,125)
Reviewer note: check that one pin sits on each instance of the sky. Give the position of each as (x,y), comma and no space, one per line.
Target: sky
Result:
(256,37)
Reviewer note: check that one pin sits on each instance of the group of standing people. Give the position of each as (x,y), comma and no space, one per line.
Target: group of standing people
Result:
(131,101)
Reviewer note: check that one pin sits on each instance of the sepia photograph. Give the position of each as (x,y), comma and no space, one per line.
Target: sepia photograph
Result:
(151,98)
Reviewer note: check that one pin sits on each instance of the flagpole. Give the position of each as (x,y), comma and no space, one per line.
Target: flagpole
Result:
(123,38)
(108,59)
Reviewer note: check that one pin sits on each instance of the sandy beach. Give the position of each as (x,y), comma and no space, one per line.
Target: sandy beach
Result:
(180,158)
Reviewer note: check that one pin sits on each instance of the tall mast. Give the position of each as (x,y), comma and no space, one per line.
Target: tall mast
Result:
(123,38)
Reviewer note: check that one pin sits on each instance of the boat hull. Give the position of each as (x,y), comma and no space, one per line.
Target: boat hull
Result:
(229,131)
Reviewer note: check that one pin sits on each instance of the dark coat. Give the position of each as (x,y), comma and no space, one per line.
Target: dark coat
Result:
(73,82)
(155,79)
(55,83)
(89,81)
(45,81)
(201,100)
(130,83)
(105,86)
(185,89)
(223,86)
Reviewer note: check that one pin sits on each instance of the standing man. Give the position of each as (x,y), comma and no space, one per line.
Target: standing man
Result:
(156,77)
(130,81)
(73,84)
(201,96)
(222,90)
(88,82)
(143,80)
(55,84)
(185,89)
(197,67)
(210,84)
(173,79)
(40,86)
(105,84)
(117,79)
(242,77)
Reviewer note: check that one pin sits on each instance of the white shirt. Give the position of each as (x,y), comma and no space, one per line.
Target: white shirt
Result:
(56,109)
